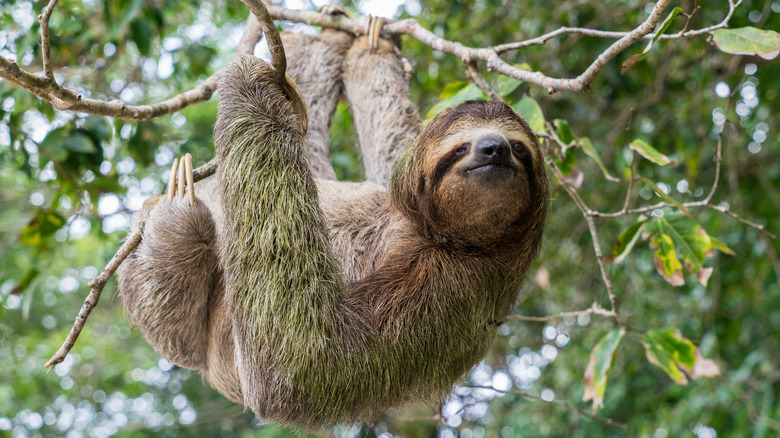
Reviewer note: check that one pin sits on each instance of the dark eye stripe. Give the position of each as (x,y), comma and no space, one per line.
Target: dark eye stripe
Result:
(447,161)
(524,155)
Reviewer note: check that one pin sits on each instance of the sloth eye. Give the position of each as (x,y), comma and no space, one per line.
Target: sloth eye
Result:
(462,149)
(522,153)
(519,148)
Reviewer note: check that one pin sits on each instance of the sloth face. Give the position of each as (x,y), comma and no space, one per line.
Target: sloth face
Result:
(480,170)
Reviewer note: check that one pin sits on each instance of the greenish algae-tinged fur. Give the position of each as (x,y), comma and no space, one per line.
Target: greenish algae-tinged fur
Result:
(293,326)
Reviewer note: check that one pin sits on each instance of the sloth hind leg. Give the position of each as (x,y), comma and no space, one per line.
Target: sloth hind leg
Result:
(315,64)
(377,92)
(166,282)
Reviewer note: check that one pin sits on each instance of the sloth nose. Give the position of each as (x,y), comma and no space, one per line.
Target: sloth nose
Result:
(492,148)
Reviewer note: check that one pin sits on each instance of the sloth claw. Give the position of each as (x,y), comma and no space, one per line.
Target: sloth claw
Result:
(181,177)
(373,30)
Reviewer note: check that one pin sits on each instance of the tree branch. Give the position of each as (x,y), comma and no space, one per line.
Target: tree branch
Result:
(594,238)
(252,34)
(618,46)
(584,209)
(477,78)
(594,309)
(63,98)
(266,22)
(503,48)
(414,29)
(96,288)
(704,203)
(43,19)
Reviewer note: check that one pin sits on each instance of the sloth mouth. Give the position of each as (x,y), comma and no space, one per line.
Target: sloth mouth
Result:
(490,169)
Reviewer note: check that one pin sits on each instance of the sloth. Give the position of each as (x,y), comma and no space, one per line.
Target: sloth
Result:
(313,301)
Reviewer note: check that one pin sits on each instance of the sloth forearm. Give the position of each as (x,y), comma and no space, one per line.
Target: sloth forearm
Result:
(284,288)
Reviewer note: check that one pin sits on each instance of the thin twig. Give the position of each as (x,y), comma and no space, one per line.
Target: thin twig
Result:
(738,218)
(43,20)
(719,150)
(266,22)
(564,403)
(618,46)
(503,48)
(99,282)
(96,288)
(593,234)
(594,309)
(481,82)
(702,204)
(689,17)
(632,170)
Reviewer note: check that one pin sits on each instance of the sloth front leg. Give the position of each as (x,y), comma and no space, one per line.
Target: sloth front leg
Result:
(166,281)
(377,92)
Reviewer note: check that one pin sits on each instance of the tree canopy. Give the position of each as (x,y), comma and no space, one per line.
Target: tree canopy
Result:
(653,310)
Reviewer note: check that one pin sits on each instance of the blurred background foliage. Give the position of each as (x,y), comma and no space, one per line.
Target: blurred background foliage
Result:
(71,182)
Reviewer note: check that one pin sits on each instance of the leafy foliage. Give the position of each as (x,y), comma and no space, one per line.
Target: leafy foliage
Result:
(668,350)
(748,41)
(597,372)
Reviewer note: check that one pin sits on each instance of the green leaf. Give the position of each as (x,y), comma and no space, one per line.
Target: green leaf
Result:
(590,150)
(721,246)
(563,130)
(597,372)
(98,127)
(666,262)
(748,41)
(692,241)
(661,30)
(666,23)
(668,350)
(507,85)
(79,142)
(53,145)
(450,89)
(140,33)
(531,112)
(651,153)
(41,227)
(469,92)
(568,162)
(27,279)
(679,241)
(666,197)
(625,242)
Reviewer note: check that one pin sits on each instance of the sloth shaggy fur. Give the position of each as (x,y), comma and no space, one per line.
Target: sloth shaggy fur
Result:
(313,301)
